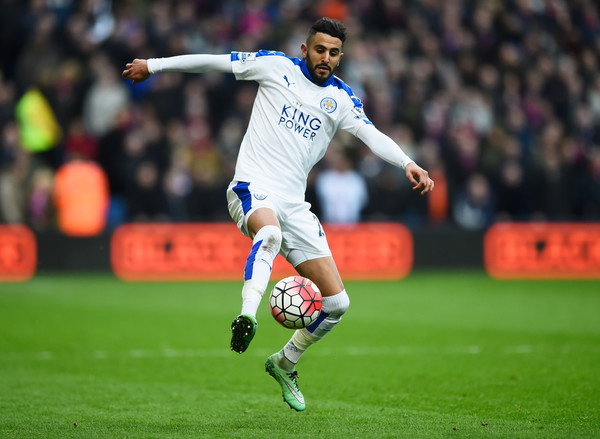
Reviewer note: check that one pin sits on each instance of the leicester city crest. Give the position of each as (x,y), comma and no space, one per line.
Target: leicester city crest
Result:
(328,105)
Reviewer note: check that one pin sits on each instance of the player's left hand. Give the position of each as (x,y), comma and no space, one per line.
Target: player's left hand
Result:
(419,178)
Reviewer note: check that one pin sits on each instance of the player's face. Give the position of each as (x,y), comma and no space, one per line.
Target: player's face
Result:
(322,54)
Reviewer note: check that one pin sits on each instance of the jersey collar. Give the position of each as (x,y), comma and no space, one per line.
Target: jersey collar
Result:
(308,76)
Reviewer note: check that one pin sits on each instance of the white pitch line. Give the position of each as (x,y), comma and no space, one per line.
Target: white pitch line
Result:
(352,351)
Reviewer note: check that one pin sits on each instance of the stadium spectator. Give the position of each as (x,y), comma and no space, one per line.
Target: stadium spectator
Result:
(105,98)
(14,163)
(473,206)
(80,195)
(341,190)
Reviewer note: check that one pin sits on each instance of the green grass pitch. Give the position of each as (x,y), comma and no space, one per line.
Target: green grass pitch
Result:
(435,355)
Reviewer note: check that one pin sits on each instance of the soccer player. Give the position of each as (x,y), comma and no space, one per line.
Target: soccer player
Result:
(298,108)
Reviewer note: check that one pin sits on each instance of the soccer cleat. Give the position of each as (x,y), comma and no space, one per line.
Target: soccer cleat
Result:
(243,329)
(288,383)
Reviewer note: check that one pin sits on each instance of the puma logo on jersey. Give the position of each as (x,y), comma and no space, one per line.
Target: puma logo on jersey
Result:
(288,81)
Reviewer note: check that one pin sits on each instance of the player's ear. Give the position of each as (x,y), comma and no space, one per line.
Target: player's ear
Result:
(304,49)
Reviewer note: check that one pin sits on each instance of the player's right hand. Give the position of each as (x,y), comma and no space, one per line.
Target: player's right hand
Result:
(137,71)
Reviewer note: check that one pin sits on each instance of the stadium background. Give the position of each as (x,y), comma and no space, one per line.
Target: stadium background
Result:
(500,101)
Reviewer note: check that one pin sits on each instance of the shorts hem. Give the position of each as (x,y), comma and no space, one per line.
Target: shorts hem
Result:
(297,257)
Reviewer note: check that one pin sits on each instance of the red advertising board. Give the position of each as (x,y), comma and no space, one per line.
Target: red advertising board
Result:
(18,253)
(543,250)
(218,251)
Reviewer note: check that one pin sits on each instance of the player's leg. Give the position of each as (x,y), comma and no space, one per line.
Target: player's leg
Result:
(265,232)
(281,365)
(263,228)
(323,272)
(305,247)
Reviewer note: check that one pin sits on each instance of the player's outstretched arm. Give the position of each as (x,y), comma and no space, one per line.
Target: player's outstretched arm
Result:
(386,149)
(137,71)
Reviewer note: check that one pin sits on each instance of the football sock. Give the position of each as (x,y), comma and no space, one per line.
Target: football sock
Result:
(265,247)
(331,314)
(282,361)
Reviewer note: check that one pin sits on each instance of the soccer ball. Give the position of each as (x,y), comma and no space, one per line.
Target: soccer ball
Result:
(295,302)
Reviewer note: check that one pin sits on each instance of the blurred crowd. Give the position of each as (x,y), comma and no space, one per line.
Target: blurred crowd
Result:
(499,100)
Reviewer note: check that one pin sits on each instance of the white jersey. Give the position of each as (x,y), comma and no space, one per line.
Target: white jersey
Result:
(293,120)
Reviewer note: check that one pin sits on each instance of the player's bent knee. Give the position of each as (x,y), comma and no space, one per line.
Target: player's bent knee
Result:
(272,238)
(336,305)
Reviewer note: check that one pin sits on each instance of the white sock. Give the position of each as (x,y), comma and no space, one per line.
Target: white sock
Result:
(265,247)
(282,361)
(331,314)
(251,297)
